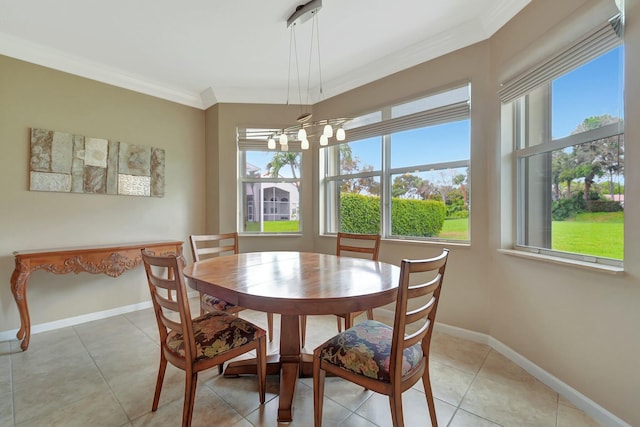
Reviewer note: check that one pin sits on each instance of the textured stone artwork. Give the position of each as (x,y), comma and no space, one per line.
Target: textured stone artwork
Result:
(65,162)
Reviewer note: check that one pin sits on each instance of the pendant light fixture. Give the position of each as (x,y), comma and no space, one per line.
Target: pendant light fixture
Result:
(306,129)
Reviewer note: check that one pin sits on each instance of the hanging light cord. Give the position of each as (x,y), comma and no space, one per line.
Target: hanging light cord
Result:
(313,28)
(289,70)
(317,24)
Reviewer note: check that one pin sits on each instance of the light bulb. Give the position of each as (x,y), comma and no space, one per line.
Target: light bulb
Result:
(304,144)
(324,140)
(271,144)
(283,139)
(302,134)
(340,134)
(327,131)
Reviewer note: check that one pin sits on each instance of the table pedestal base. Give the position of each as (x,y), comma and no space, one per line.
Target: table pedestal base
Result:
(290,364)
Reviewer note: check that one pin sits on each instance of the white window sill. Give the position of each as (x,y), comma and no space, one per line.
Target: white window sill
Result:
(602,268)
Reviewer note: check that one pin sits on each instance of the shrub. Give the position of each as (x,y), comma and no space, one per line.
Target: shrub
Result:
(420,218)
(458,215)
(567,208)
(603,206)
(361,214)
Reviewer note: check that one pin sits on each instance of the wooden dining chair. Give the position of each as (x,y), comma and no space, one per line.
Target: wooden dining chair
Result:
(212,245)
(356,244)
(385,359)
(194,345)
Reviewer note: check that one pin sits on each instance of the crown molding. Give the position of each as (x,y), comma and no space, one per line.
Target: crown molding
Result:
(57,60)
(503,12)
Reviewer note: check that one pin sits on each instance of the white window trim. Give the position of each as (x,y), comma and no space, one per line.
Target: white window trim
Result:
(456,111)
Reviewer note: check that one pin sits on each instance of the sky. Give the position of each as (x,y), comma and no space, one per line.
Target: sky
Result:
(586,92)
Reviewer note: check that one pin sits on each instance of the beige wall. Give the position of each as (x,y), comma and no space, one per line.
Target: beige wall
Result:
(221,145)
(34,96)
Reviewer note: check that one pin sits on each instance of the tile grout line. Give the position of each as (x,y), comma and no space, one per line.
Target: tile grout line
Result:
(475,376)
(113,394)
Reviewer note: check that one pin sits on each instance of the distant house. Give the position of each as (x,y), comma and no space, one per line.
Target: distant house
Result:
(616,198)
(276,201)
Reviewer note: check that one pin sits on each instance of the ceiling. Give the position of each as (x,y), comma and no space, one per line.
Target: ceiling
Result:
(199,52)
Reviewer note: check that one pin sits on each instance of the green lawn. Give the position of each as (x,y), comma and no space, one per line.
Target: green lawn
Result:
(274,226)
(455,229)
(598,234)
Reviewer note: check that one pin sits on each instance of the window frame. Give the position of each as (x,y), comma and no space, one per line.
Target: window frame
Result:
(244,147)
(515,96)
(439,115)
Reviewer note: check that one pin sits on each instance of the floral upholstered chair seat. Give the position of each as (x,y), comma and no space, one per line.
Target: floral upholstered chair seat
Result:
(215,303)
(365,349)
(216,333)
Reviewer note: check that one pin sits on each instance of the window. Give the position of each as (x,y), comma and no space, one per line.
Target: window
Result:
(269,187)
(403,171)
(568,133)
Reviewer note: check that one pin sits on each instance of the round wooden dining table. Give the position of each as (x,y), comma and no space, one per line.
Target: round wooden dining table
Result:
(293,284)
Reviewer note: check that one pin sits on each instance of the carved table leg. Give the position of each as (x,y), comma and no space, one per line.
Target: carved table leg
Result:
(289,364)
(19,288)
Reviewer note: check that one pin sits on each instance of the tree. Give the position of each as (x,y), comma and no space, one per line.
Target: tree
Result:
(560,165)
(595,158)
(369,184)
(446,183)
(351,164)
(403,183)
(460,181)
(282,159)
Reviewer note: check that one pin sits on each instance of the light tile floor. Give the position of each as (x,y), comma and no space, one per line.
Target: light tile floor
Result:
(103,373)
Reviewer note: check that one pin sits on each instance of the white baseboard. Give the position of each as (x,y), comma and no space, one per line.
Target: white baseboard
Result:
(70,321)
(581,401)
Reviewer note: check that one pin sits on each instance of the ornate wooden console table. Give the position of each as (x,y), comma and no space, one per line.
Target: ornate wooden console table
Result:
(111,260)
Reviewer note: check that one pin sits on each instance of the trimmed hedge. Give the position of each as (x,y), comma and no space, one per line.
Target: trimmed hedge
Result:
(603,206)
(420,218)
(359,214)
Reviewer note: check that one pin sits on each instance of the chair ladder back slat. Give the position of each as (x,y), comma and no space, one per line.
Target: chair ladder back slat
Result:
(416,336)
(166,303)
(421,312)
(422,289)
(209,239)
(215,251)
(370,244)
(171,324)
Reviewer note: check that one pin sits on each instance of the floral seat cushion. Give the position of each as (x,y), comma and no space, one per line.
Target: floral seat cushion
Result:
(215,334)
(215,303)
(365,349)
